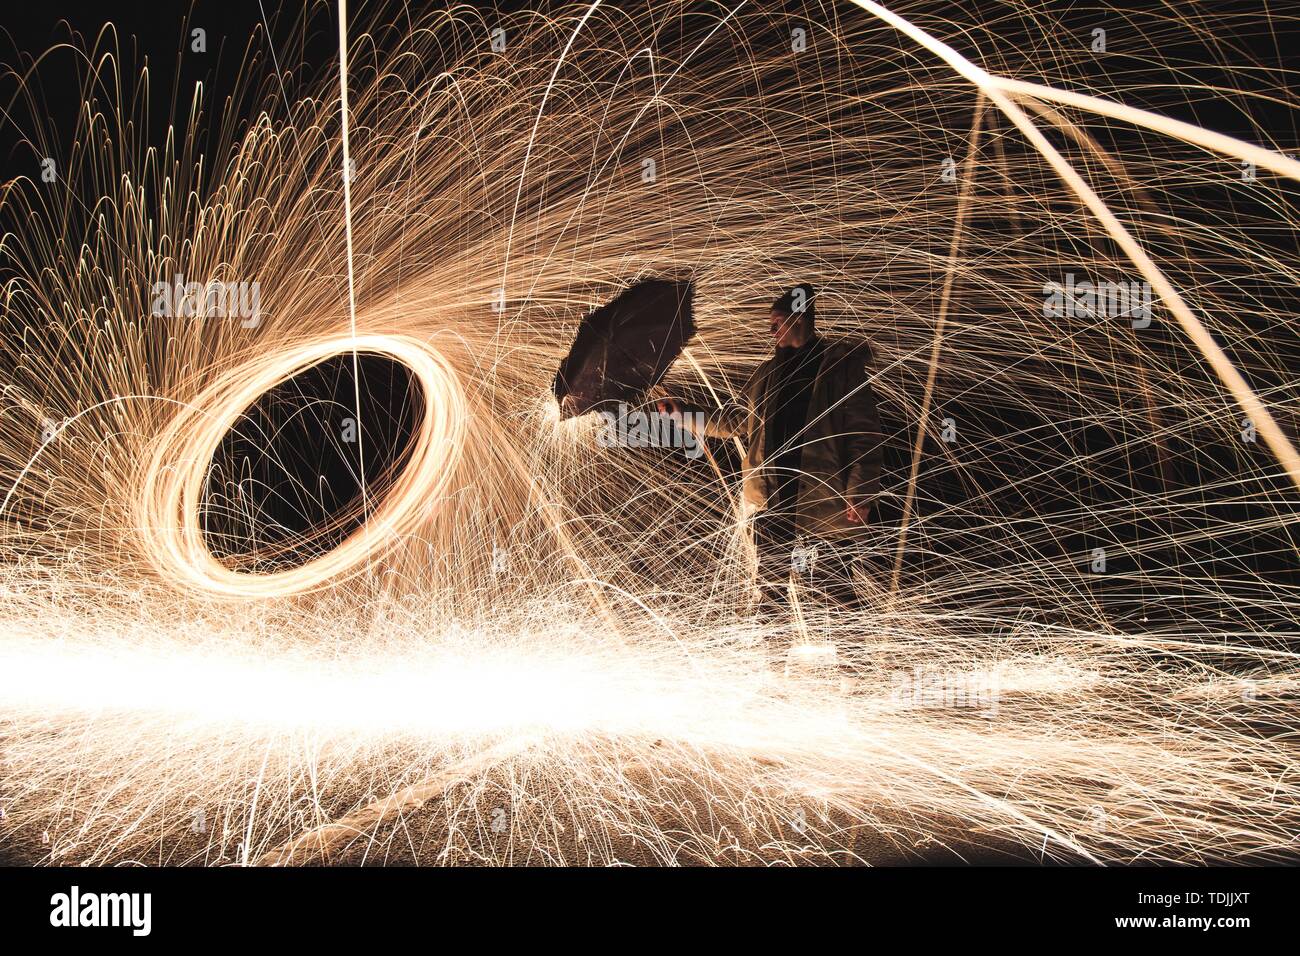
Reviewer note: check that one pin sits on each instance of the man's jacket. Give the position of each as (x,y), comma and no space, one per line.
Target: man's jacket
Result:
(842,443)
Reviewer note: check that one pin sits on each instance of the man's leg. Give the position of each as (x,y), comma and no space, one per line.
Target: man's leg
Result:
(774,540)
(832,577)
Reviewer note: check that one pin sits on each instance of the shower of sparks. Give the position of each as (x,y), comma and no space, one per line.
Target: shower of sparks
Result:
(538,649)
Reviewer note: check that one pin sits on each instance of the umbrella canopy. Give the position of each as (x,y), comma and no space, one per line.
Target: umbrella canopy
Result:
(624,348)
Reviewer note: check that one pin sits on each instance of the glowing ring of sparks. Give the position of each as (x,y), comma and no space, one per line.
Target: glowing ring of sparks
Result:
(177,468)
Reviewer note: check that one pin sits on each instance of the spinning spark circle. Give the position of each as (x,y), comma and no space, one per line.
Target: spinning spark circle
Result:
(175,473)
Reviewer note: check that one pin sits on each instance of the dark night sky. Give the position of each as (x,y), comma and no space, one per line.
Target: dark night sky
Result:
(154,32)
(149,33)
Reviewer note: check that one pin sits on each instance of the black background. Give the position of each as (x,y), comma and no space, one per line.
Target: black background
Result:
(916,909)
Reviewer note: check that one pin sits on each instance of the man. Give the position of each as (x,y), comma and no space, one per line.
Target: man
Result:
(808,420)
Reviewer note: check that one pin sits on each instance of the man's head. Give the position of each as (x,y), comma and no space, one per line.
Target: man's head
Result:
(792,317)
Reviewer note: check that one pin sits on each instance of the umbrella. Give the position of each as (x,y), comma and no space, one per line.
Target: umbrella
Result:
(624,348)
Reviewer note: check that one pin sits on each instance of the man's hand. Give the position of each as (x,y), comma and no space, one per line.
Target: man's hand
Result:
(856,514)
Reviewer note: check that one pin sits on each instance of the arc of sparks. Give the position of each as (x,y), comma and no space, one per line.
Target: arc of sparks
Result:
(1001,89)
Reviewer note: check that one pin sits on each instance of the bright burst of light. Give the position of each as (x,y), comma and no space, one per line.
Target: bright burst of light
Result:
(274,734)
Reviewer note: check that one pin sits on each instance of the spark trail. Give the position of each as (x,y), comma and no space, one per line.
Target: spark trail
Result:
(1079,629)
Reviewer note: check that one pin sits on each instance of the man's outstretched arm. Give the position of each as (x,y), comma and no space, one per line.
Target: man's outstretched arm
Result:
(732,420)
